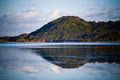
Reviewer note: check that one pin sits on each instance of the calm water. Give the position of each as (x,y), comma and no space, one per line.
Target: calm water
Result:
(59,61)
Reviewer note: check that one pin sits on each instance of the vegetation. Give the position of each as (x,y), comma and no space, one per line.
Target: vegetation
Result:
(72,29)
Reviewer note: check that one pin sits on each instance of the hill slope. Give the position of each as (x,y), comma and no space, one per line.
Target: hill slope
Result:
(66,28)
(72,29)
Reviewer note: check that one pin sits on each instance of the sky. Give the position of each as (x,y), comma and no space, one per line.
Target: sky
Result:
(25,16)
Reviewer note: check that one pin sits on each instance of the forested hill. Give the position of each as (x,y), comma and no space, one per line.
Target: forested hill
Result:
(71,29)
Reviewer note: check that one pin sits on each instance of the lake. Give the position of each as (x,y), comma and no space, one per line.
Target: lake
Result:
(60,61)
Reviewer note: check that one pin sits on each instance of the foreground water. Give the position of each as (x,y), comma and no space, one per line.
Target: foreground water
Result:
(59,61)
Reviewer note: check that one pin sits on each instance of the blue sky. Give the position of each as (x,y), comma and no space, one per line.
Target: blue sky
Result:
(20,16)
(13,6)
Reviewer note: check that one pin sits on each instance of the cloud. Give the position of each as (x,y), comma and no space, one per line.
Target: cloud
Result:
(57,13)
(57,70)
(114,13)
(27,21)
(30,14)
(29,69)
(112,68)
(101,15)
(15,24)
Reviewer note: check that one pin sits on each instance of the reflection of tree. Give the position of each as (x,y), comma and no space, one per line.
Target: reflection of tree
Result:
(75,56)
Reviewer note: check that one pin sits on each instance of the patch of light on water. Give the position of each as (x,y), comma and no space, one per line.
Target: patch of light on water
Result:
(57,43)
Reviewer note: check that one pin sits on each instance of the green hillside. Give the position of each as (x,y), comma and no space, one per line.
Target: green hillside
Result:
(66,28)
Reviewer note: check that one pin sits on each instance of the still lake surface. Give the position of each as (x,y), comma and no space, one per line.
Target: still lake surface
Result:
(59,61)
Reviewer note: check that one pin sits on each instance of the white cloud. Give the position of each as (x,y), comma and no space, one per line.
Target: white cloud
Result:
(29,14)
(25,16)
(57,13)
(57,70)
(27,21)
(112,68)
(29,69)
(100,15)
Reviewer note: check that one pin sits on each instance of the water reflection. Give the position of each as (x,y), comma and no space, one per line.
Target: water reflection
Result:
(59,62)
(76,56)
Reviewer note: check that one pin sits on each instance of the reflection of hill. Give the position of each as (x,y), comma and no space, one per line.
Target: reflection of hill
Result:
(75,56)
